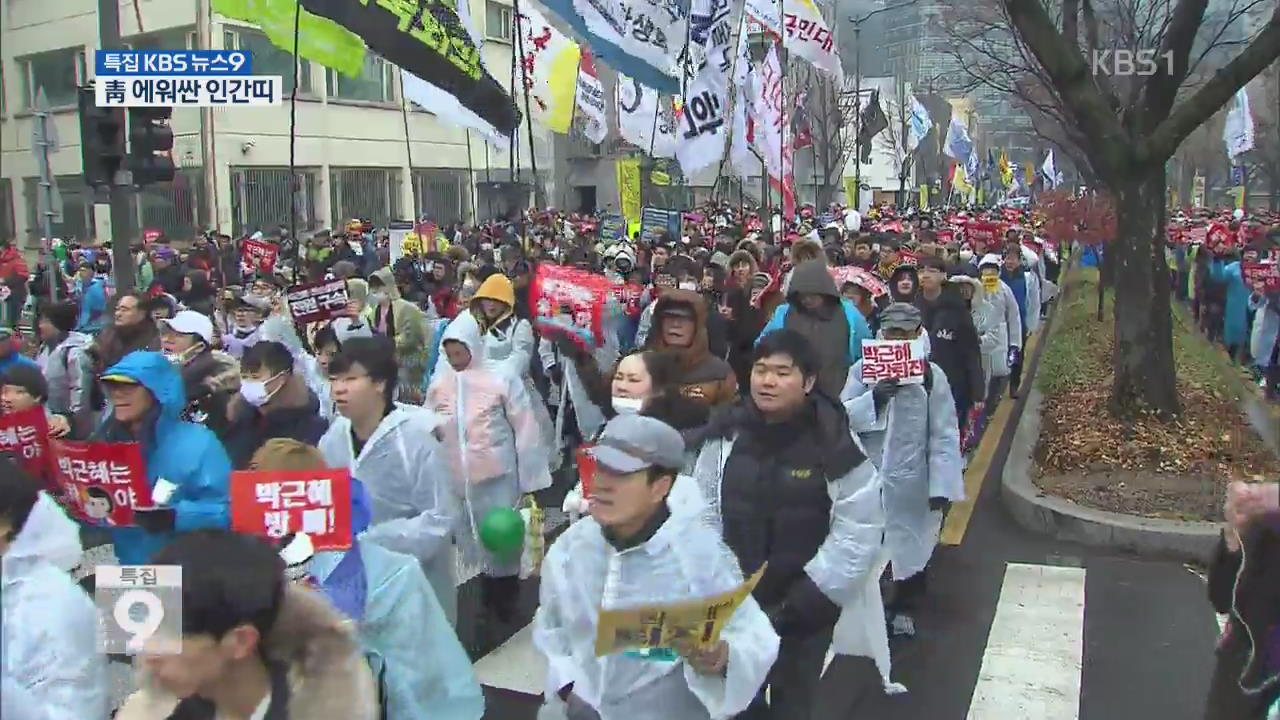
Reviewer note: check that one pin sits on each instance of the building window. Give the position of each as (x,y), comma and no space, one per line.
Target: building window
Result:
(59,72)
(268,59)
(171,39)
(260,199)
(177,208)
(442,194)
(6,209)
(375,83)
(498,21)
(367,193)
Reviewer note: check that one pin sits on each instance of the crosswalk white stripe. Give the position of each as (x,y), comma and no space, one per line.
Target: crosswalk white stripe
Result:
(515,665)
(1032,663)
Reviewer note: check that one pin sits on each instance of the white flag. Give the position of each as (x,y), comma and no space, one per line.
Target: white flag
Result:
(591,100)
(958,146)
(449,109)
(1238,132)
(652,32)
(1049,170)
(641,120)
(802,30)
(703,127)
(919,125)
(773,130)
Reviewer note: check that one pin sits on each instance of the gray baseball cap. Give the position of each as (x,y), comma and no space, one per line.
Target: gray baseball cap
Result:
(631,443)
(900,316)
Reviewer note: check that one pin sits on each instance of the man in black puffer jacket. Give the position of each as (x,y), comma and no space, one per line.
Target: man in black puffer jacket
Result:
(953,340)
(793,490)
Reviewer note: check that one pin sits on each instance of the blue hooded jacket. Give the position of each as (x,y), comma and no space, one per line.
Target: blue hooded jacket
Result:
(185,454)
(93,304)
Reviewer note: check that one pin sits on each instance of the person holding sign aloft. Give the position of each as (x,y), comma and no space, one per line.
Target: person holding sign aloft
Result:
(903,412)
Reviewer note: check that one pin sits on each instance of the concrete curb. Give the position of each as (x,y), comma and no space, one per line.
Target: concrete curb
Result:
(1065,520)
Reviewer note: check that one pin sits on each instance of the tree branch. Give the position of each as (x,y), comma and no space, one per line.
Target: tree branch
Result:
(1071,78)
(1162,87)
(1210,98)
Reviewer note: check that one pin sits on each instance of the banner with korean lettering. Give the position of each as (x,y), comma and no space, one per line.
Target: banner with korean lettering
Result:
(652,32)
(862,278)
(801,28)
(983,232)
(591,100)
(629,189)
(102,483)
(901,360)
(1261,276)
(259,256)
(317,301)
(773,139)
(703,132)
(643,120)
(24,436)
(273,504)
(570,302)
(428,39)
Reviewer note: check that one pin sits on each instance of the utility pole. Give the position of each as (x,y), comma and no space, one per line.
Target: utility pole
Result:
(119,194)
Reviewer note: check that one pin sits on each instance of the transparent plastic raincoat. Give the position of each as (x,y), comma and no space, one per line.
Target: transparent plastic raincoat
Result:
(684,560)
(491,438)
(415,653)
(403,470)
(50,666)
(915,443)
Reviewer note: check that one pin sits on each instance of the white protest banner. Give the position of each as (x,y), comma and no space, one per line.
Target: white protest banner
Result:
(706,104)
(591,100)
(901,360)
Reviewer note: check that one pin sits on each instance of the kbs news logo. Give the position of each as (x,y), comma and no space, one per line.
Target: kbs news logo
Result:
(1125,63)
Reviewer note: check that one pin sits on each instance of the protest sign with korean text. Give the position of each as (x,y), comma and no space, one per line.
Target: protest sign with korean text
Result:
(273,504)
(570,302)
(24,436)
(1264,274)
(901,360)
(259,256)
(318,301)
(862,278)
(102,483)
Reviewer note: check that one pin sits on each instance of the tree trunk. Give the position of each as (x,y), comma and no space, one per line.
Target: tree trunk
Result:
(1145,377)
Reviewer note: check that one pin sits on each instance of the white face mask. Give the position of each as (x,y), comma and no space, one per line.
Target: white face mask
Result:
(182,358)
(627,406)
(688,285)
(255,392)
(376,298)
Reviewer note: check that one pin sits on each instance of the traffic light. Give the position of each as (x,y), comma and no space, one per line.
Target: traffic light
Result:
(149,136)
(102,147)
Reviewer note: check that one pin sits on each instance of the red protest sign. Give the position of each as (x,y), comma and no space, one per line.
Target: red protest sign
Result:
(273,504)
(317,301)
(25,437)
(570,301)
(984,232)
(150,235)
(629,296)
(587,468)
(1264,275)
(862,278)
(901,360)
(429,234)
(259,256)
(102,483)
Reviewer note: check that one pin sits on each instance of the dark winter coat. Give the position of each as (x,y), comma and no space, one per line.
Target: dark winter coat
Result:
(295,414)
(954,345)
(1247,585)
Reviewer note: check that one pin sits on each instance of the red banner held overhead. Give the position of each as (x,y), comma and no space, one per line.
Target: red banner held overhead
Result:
(273,504)
(259,256)
(570,302)
(318,301)
(102,483)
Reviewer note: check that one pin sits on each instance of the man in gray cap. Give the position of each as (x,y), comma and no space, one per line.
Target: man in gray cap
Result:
(632,552)
(909,430)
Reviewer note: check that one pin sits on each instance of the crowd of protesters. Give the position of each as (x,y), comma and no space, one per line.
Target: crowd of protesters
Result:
(726,410)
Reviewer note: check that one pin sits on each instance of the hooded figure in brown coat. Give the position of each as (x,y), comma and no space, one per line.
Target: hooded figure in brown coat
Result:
(680,326)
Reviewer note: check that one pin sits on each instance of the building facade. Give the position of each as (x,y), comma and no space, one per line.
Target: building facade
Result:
(358,149)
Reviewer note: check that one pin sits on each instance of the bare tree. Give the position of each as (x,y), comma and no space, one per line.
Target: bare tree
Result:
(831,109)
(1125,125)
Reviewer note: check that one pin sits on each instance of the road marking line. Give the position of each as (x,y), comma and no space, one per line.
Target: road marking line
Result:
(1032,662)
(960,513)
(516,665)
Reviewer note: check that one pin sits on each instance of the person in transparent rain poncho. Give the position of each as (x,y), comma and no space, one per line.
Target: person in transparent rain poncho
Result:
(392,448)
(494,448)
(911,434)
(633,552)
(50,667)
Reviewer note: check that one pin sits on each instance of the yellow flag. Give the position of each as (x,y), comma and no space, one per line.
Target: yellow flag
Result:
(550,70)
(960,180)
(850,190)
(1006,170)
(924,197)
(629,188)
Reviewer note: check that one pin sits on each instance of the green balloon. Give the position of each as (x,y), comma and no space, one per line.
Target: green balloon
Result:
(502,531)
